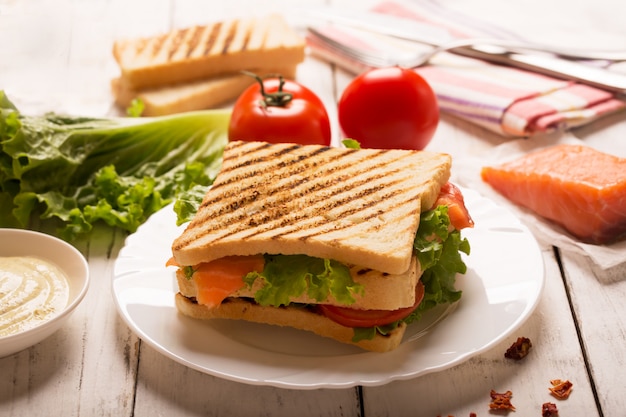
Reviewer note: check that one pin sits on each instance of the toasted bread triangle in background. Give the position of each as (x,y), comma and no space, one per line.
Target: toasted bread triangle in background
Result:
(205,51)
(189,96)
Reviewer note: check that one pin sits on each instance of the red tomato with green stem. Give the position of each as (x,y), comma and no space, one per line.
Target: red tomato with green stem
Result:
(276,110)
(389,108)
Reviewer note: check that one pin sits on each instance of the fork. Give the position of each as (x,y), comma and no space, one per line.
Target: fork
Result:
(379,59)
(561,64)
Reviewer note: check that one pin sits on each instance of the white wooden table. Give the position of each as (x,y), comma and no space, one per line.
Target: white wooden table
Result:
(56,55)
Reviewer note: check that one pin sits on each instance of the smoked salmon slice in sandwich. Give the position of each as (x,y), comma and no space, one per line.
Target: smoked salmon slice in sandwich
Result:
(351,244)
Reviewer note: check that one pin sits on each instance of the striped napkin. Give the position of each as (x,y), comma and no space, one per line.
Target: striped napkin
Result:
(508,101)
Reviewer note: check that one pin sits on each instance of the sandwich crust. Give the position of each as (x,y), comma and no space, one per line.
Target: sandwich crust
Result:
(291,316)
(192,95)
(359,207)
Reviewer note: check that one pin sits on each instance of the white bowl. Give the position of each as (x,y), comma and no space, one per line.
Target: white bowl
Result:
(16,242)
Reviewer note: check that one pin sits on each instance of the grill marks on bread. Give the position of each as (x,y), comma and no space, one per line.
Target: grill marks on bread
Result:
(215,38)
(335,194)
(357,206)
(291,189)
(203,51)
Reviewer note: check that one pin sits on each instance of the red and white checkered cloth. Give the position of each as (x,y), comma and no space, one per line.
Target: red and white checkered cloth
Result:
(509,101)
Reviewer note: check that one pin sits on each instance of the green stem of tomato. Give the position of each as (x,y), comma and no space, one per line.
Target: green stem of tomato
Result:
(278,99)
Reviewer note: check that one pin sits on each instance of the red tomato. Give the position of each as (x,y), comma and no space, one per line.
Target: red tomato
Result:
(389,108)
(279,111)
(351,317)
(451,196)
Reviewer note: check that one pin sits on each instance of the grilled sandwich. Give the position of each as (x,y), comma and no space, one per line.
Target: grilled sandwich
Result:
(305,236)
(202,52)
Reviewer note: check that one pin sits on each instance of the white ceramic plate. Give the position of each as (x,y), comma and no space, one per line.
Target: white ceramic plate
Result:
(500,290)
(16,242)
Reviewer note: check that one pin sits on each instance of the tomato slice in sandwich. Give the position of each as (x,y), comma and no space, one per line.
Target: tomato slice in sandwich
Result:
(451,196)
(351,317)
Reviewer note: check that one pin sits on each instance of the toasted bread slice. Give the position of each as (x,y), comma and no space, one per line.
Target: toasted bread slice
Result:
(359,207)
(290,316)
(201,52)
(190,96)
(381,291)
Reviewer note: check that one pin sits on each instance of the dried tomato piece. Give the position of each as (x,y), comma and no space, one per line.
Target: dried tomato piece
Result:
(501,401)
(561,389)
(549,410)
(519,349)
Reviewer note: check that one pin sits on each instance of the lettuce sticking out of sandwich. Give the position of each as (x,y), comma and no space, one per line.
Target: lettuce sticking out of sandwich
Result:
(351,244)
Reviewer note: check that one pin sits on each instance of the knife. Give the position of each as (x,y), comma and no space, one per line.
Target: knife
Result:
(549,65)
(424,33)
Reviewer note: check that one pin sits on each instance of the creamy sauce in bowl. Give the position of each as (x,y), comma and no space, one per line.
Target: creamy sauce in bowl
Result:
(32,291)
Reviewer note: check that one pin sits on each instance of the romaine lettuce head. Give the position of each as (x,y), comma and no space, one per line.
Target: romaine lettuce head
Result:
(80,170)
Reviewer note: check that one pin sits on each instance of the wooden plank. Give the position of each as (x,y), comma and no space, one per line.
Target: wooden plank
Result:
(110,354)
(598,300)
(170,389)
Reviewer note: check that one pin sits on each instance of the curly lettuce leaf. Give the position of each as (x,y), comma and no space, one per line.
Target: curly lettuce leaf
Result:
(438,250)
(79,171)
(289,276)
(188,202)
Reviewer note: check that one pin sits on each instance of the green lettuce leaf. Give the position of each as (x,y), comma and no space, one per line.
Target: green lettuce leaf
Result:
(440,257)
(289,276)
(78,171)
(188,202)
(351,144)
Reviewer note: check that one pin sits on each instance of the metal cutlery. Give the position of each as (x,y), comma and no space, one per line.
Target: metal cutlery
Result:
(517,57)
(428,34)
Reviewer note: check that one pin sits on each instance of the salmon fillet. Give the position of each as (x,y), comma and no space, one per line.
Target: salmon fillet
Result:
(577,187)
